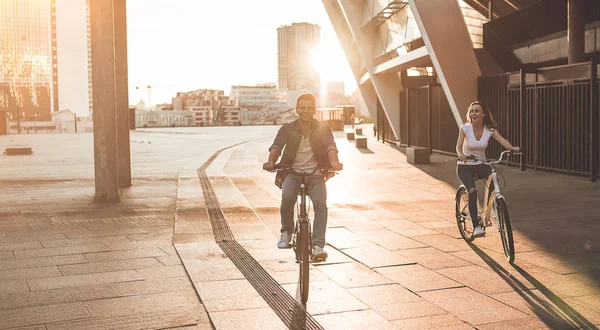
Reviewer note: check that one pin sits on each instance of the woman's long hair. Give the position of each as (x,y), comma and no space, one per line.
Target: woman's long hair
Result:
(488,119)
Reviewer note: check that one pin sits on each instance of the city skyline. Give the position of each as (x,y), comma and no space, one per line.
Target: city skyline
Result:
(240,47)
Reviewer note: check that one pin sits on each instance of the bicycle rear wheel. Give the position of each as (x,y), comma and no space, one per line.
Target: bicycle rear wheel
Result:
(463,218)
(505,228)
(304,257)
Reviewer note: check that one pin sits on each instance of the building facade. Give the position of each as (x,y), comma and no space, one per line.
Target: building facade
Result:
(176,118)
(28,60)
(261,95)
(44,57)
(296,44)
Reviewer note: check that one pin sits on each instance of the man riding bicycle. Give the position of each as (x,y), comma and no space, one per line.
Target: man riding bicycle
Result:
(307,144)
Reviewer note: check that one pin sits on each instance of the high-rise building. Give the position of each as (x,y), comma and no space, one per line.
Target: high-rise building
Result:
(295,52)
(44,57)
(28,57)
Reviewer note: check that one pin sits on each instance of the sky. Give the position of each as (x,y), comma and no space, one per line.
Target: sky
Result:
(182,45)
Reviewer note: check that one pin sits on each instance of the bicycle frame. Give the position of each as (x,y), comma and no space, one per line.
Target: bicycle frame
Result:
(303,217)
(491,198)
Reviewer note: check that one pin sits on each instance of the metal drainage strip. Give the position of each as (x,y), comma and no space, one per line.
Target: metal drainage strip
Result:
(287,308)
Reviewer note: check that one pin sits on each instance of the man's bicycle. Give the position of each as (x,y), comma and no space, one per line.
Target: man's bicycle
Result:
(302,238)
(495,208)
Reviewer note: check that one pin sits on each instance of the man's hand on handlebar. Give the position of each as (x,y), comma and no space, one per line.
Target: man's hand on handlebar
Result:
(516,149)
(268,166)
(337,166)
(462,158)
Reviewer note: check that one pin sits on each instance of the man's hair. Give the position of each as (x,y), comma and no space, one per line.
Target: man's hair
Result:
(308,97)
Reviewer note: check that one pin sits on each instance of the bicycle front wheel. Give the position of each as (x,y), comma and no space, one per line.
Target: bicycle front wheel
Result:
(304,257)
(505,228)
(463,218)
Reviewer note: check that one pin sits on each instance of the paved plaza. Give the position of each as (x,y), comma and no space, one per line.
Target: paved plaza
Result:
(159,260)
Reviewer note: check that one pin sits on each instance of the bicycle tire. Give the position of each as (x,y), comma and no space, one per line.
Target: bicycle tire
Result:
(463,218)
(505,228)
(304,252)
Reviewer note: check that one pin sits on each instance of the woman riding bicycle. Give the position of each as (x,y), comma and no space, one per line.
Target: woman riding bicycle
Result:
(473,138)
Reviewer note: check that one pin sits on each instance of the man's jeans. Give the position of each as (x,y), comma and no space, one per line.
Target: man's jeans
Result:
(317,191)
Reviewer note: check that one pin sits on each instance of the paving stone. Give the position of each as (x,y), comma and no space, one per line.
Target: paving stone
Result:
(57,296)
(327,297)
(6,255)
(527,323)
(408,310)
(162,272)
(212,270)
(125,254)
(164,320)
(435,322)
(35,315)
(250,319)
(343,238)
(20,246)
(417,278)
(552,310)
(406,228)
(590,301)
(433,258)
(31,327)
(393,241)
(377,256)
(109,266)
(180,301)
(354,320)
(169,260)
(81,241)
(383,295)
(29,273)
(218,296)
(487,281)
(104,233)
(13,286)
(45,252)
(443,243)
(471,306)
(353,275)
(154,286)
(43,261)
(84,279)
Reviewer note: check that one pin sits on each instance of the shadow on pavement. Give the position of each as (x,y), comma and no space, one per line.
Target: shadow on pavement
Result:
(552,212)
(553,311)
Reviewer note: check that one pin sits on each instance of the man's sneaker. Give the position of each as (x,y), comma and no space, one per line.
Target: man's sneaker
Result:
(479,231)
(284,241)
(319,254)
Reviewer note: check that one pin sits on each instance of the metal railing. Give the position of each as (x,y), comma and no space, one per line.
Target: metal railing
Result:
(556,115)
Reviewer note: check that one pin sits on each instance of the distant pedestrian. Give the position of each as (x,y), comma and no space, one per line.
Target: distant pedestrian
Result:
(374,131)
(352,120)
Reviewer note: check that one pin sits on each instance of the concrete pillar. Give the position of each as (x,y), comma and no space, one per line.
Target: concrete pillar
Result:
(103,94)
(450,48)
(576,31)
(387,85)
(122,93)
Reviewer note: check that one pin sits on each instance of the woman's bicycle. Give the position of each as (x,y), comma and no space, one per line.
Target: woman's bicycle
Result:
(302,238)
(495,208)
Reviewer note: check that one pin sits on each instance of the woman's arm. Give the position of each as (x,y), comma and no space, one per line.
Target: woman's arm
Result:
(459,145)
(504,142)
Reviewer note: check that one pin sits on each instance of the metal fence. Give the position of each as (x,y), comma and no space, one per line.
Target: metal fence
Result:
(553,123)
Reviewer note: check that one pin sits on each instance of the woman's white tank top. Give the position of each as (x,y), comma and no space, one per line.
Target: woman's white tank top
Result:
(472,146)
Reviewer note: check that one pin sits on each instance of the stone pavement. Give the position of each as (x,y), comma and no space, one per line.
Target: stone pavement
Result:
(396,259)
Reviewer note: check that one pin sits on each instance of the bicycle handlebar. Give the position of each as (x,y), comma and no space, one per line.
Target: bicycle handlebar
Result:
(492,161)
(284,167)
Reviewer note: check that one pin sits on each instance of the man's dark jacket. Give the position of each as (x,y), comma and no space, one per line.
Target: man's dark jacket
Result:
(289,137)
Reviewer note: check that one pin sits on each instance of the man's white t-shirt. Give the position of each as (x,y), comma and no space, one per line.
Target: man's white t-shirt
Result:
(305,157)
